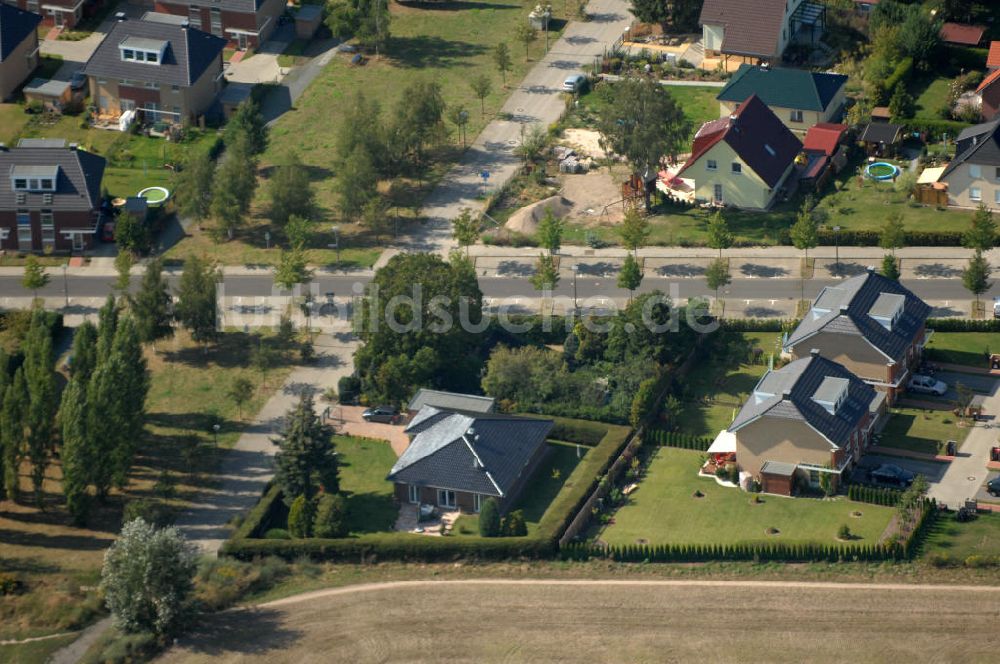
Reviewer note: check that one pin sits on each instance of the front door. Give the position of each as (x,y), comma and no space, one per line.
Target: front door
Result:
(717,194)
(414,493)
(77,241)
(242,41)
(58,19)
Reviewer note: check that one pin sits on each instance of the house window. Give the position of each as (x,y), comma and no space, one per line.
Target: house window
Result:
(711,165)
(175,88)
(477,502)
(150,85)
(796,116)
(47,184)
(996,174)
(414,493)
(24,242)
(216,24)
(996,196)
(32,6)
(152,57)
(446,498)
(194,17)
(737,167)
(21,184)
(102,81)
(717,193)
(975,171)
(975,193)
(48,230)
(128,54)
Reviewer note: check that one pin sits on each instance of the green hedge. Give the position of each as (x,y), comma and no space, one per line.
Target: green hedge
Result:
(675,439)
(757,324)
(874,495)
(245,543)
(965,57)
(900,73)
(934,128)
(862,238)
(963,325)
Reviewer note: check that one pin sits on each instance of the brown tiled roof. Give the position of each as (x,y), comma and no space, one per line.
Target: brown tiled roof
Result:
(959,33)
(993,59)
(989,80)
(756,134)
(752,27)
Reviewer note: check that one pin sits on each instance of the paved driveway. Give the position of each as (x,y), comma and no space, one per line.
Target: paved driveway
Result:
(352,424)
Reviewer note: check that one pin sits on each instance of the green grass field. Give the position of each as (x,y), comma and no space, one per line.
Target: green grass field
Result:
(929,95)
(924,431)
(36,652)
(958,541)
(664,510)
(698,103)
(547,481)
(969,348)
(364,464)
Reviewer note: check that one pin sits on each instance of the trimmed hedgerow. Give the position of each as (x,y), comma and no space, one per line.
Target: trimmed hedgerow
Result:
(676,439)
(874,495)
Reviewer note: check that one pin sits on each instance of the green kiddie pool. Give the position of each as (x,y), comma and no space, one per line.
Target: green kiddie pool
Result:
(880,170)
(155,196)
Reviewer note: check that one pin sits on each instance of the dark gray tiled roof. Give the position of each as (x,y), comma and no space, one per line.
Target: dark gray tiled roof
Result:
(243,6)
(78,186)
(189,53)
(451,401)
(15,25)
(791,393)
(477,453)
(981,141)
(847,308)
(881,132)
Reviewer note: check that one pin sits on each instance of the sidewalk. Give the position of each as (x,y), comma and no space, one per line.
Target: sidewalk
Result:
(248,467)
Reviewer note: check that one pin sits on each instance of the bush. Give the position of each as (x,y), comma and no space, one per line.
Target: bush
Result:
(939,559)
(331,516)
(489,519)
(10,584)
(349,387)
(514,525)
(222,582)
(156,512)
(977,561)
(732,473)
(117,648)
(844,532)
(277,533)
(301,515)
(900,73)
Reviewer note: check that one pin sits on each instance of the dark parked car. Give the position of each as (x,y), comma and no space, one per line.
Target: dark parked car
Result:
(78,80)
(894,476)
(993,486)
(384,414)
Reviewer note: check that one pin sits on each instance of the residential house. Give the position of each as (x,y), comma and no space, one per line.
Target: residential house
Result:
(58,13)
(457,460)
(799,98)
(18,48)
(962,34)
(758,30)
(973,176)
(243,23)
(50,196)
(470,403)
(988,95)
(810,417)
(742,160)
(874,326)
(993,57)
(161,71)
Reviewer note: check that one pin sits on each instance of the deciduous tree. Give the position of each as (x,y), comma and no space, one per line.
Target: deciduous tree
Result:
(193,186)
(501,57)
(151,305)
(550,231)
(525,33)
(893,235)
(719,235)
(35,276)
(290,191)
(240,392)
(630,276)
(481,87)
(982,231)
(976,275)
(195,308)
(247,123)
(634,230)
(84,352)
(76,452)
(13,416)
(465,229)
(356,183)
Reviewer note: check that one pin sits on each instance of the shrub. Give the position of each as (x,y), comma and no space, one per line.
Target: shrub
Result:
(10,584)
(732,473)
(977,561)
(349,387)
(844,532)
(222,582)
(489,518)
(331,516)
(277,533)
(301,515)
(939,559)
(117,648)
(514,525)
(156,512)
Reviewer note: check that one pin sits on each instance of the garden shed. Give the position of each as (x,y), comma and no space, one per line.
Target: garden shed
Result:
(777,477)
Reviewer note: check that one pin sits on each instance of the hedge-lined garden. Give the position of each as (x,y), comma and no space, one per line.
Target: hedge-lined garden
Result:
(676,439)
(874,495)
(246,542)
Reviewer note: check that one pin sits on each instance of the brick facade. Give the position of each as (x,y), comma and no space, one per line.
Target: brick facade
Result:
(261,22)
(62,221)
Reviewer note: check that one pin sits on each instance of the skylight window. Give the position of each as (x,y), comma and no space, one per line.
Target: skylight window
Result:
(770,150)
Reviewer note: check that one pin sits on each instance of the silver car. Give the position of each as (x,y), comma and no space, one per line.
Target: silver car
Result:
(574,83)
(927,385)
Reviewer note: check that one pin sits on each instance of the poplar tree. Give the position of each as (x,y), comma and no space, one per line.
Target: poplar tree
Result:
(84,352)
(131,385)
(107,322)
(152,306)
(76,453)
(40,378)
(12,416)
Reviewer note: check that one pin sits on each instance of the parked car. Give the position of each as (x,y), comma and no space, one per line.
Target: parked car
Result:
(384,414)
(993,486)
(892,475)
(108,231)
(574,83)
(78,80)
(927,385)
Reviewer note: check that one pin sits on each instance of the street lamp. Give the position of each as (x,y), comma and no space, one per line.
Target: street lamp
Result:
(836,239)
(267,239)
(65,286)
(576,268)
(336,241)
(215,434)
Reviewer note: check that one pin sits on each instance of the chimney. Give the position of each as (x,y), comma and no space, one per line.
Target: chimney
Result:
(870,268)
(814,352)
(184,24)
(786,395)
(74,146)
(121,17)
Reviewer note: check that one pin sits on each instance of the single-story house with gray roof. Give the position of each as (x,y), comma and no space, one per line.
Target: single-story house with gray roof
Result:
(810,417)
(458,460)
(874,326)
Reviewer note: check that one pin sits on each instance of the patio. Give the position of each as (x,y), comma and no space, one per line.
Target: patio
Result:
(409,520)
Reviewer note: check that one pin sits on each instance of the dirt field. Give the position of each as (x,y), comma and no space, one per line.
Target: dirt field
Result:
(607,621)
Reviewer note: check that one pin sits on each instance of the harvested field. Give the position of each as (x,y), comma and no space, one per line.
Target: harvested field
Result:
(605,621)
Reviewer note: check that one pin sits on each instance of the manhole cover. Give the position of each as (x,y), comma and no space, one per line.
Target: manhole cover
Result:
(512,142)
(971,478)
(520,110)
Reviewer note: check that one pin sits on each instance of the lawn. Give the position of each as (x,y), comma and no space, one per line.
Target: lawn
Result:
(12,121)
(924,431)
(969,348)
(697,101)
(930,93)
(545,484)
(36,652)
(664,510)
(59,563)
(958,541)
(713,395)
(364,463)
(845,203)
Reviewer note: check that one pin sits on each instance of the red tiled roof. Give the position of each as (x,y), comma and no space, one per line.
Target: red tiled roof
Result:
(993,59)
(989,80)
(756,134)
(960,33)
(824,137)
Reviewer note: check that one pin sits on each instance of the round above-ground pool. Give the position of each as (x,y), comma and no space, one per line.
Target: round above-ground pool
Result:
(879,170)
(154,195)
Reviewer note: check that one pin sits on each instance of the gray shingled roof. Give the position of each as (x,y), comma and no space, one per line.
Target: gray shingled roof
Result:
(792,392)
(451,401)
(15,25)
(981,141)
(477,453)
(78,186)
(189,53)
(847,308)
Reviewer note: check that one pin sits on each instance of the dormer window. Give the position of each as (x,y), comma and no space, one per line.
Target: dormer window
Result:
(141,49)
(888,309)
(831,394)
(34,178)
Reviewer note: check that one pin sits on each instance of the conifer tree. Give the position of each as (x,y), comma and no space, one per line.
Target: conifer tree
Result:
(152,306)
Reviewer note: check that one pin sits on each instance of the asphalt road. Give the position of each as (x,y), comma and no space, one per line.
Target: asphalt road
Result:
(497,287)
